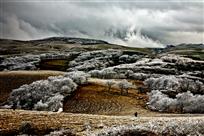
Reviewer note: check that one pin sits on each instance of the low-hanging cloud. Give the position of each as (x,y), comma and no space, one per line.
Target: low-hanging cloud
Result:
(137,24)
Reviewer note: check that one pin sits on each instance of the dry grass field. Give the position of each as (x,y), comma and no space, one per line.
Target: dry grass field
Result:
(44,122)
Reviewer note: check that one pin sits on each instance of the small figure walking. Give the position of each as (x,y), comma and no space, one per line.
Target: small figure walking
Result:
(135,114)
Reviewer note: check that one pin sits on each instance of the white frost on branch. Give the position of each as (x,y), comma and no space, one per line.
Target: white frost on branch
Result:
(175,84)
(163,83)
(43,94)
(173,94)
(177,59)
(52,104)
(79,77)
(93,60)
(183,103)
(27,62)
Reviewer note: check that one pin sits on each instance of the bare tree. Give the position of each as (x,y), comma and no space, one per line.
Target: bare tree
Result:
(109,83)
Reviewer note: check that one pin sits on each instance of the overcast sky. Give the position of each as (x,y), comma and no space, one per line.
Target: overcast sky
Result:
(149,23)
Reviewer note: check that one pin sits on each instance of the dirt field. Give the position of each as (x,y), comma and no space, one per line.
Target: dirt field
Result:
(94,98)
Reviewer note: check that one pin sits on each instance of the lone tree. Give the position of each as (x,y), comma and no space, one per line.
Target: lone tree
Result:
(109,83)
(124,85)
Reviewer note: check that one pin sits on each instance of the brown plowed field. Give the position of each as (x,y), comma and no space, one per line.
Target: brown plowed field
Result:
(94,98)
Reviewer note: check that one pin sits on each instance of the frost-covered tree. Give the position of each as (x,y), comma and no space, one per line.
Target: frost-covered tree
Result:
(139,76)
(174,85)
(124,86)
(110,83)
(183,103)
(52,104)
(129,74)
(196,87)
(43,94)
(107,73)
(190,103)
(95,73)
(128,58)
(163,83)
(175,94)
(161,102)
(94,60)
(185,85)
(47,94)
(27,62)
(78,77)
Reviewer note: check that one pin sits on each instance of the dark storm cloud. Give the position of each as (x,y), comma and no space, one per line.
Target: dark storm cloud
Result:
(134,23)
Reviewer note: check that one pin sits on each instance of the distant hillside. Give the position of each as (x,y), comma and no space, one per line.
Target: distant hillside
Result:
(185,46)
(60,44)
(65,40)
(67,44)
(71,40)
(195,51)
